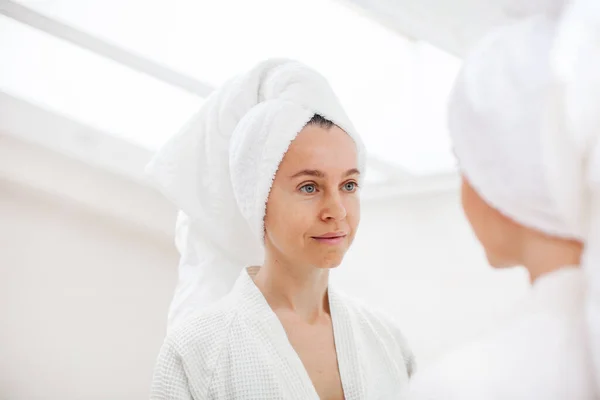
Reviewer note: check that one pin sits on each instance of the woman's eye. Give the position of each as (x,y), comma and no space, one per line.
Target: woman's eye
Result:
(308,189)
(350,186)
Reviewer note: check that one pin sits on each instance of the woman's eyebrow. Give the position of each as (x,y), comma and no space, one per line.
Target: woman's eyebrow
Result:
(309,172)
(319,174)
(353,171)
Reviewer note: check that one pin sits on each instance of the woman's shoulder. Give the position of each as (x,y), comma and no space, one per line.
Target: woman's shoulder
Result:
(379,326)
(191,351)
(517,361)
(203,330)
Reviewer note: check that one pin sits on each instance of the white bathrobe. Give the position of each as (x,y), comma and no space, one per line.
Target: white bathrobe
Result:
(541,354)
(238,349)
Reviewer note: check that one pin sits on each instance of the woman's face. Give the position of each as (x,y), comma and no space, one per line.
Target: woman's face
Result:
(498,234)
(313,208)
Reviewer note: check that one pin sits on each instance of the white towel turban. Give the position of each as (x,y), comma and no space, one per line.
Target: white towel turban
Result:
(525,121)
(219,169)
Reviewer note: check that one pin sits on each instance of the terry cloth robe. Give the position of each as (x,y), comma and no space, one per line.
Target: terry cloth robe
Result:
(238,349)
(541,354)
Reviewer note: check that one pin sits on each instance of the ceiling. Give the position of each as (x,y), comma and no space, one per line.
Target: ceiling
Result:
(135,70)
(453,26)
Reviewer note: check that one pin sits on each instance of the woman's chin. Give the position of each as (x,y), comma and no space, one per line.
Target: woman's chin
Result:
(328,264)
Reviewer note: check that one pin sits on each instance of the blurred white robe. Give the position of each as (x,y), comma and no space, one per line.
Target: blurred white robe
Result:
(540,354)
(238,349)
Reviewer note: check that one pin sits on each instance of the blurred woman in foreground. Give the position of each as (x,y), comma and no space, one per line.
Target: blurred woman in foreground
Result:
(525,121)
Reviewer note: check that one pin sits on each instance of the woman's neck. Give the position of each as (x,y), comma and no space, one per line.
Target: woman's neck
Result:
(543,254)
(302,290)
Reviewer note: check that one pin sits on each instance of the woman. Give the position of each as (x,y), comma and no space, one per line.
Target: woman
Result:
(530,193)
(268,176)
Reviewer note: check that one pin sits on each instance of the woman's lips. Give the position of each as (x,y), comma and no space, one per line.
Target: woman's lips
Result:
(330,239)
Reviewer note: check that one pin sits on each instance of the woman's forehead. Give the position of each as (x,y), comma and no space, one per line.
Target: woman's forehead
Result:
(319,148)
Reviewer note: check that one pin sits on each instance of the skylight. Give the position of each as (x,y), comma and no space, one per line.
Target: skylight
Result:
(394,89)
(88,88)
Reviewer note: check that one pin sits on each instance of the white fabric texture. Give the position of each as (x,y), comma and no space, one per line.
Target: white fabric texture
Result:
(573,145)
(523,116)
(238,349)
(537,355)
(218,171)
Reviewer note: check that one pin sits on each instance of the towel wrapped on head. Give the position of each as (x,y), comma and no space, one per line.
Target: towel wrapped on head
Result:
(219,168)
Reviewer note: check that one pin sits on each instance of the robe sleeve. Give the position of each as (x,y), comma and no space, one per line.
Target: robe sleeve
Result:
(170,380)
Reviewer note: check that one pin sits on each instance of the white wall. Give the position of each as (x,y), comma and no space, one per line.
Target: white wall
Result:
(83,300)
(84,294)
